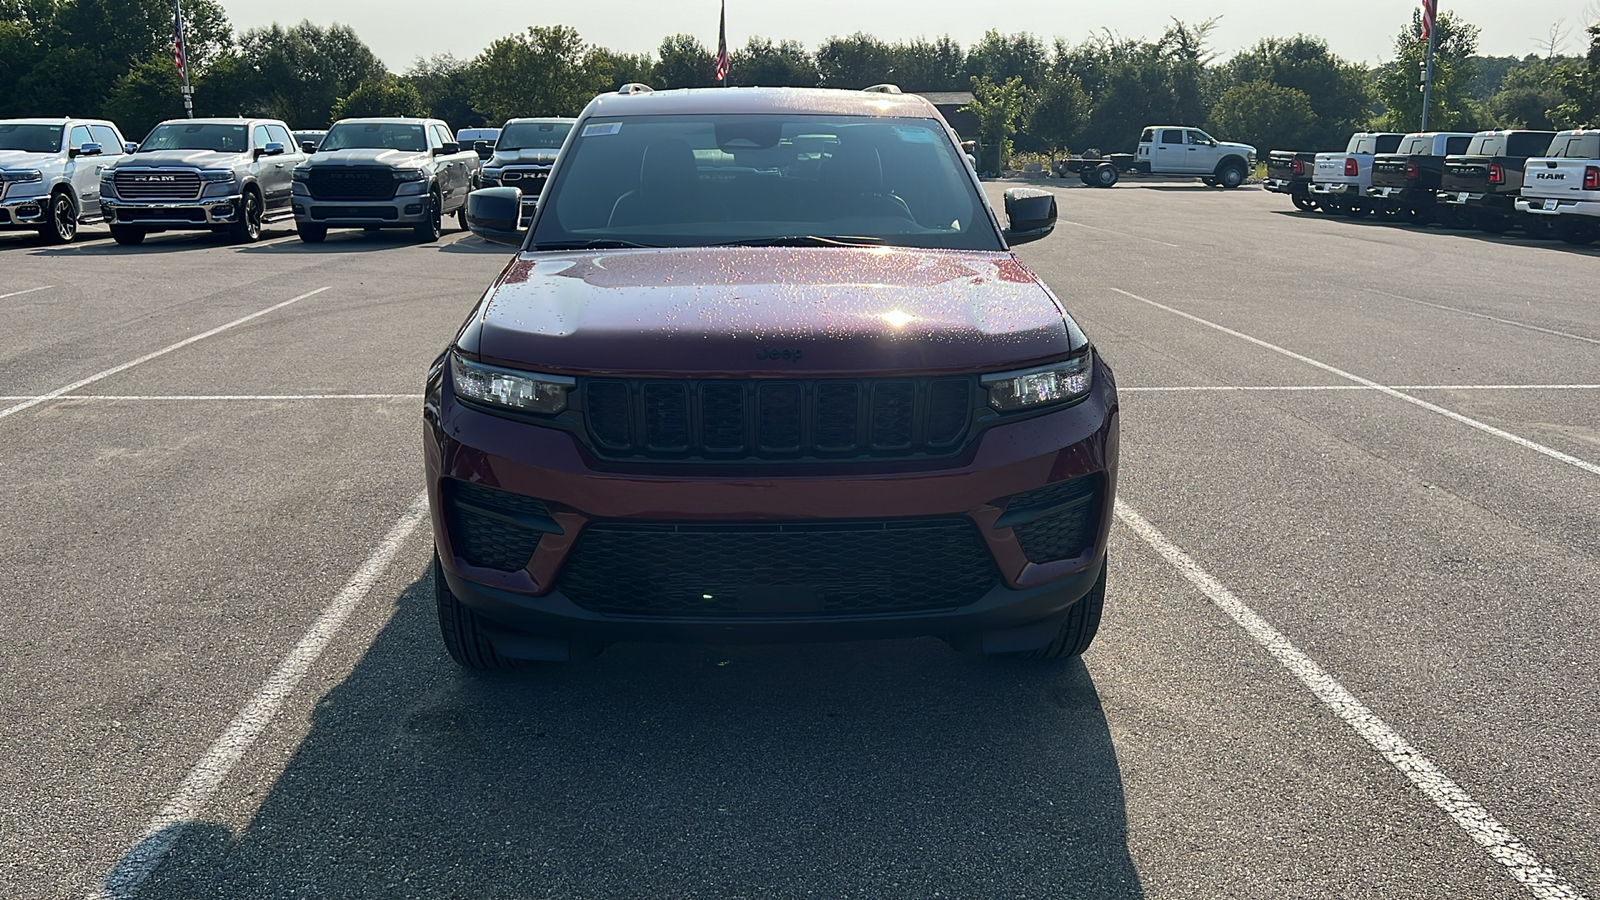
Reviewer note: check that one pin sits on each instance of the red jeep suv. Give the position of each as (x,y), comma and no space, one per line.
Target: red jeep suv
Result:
(765,369)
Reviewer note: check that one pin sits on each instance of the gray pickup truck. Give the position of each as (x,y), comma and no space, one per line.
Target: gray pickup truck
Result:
(50,173)
(230,176)
(522,158)
(384,173)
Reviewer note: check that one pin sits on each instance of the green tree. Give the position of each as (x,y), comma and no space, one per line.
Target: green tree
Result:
(998,57)
(545,71)
(1580,85)
(445,85)
(922,65)
(147,94)
(999,109)
(296,74)
(857,61)
(683,62)
(1265,115)
(1060,113)
(1339,92)
(768,64)
(623,68)
(1398,84)
(1529,93)
(387,96)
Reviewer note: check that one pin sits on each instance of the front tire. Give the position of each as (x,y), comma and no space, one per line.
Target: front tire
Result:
(127,235)
(462,629)
(1579,231)
(461,218)
(429,229)
(1230,175)
(61,219)
(247,230)
(313,234)
(1079,627)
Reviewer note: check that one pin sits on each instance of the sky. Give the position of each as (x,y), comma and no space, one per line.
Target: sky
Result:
(400,30)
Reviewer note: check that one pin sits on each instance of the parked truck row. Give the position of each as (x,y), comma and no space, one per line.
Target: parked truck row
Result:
(1547,183)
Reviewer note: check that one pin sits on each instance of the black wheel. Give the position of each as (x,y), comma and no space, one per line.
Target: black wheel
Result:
(432,226)
(1539,228)
(1230,175)
(247,227)
(1333,207)
(127,235)
(61,219)
(1356,211)
(1105,175)
(1418,213)
(313,234)
(1580,231)
(1305,204)
(1083,176)
(461,218)
(1078,628)
(1209,182)
(462,629)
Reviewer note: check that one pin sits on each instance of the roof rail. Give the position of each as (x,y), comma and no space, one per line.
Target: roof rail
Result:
(883,89)
(634,87)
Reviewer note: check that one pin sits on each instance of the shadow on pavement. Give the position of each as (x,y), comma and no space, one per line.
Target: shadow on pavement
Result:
(1515,237)
(876,770)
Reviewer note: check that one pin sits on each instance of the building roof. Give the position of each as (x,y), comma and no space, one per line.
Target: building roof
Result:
(813,101)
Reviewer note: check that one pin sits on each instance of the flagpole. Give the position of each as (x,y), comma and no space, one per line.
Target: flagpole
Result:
(182,52)
(1430,22)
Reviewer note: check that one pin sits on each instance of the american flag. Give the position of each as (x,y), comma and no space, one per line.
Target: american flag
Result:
(1430,9)
(180,58)
(722,44)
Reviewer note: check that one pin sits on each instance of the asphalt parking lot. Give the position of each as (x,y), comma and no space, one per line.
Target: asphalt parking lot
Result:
(1349,646)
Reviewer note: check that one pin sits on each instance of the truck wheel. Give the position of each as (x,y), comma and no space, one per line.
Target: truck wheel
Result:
(1579,231)
(1230,175)
(431,227)
(127,235)
(1493,223)
(461,628)
(313,234)
(61,219)
(1537,227)
(1356,211)
(461,218)
(1105,175)
(1079,628)
(1083,176)
(1305,204)
(247,228)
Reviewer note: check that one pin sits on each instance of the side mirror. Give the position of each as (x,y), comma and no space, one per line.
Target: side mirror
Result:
(308,146)
(85,150)
(273,148)
(447,149)
(480,147)
(492,214)
(1030,215)
(130,147)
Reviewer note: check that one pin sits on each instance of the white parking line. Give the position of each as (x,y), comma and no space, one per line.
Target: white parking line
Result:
(1225,388)
(35,401)
(1484,427)
(229,397)
(1496,839)
(194,793)
(28,291)
(1476,315)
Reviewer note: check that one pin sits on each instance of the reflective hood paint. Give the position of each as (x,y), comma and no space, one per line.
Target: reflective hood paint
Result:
(23,159)
(725,311)
(200,159)
(354,157)
(530,157)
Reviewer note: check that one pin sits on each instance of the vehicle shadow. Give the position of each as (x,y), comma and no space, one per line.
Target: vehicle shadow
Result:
(357,241)
(882,769)
(1515,237)
(164,242)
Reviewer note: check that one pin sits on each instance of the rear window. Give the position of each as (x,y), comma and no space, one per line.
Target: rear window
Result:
(1530,143)
(534,136)
(1415,145)
(1148,137)
(1576,146)
(1486,145)
(1456,145)
(1388,143)
(701,180)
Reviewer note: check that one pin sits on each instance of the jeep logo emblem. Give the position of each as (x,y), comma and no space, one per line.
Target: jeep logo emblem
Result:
(773,353)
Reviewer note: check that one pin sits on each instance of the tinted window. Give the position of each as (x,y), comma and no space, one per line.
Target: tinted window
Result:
(1148,137)
(179,136)
(1388,143)
(281,135)
(106,137)
(1577,146)
(1415,144)
(1486,145)
(716,179)
(375,136)
(1529,143)
(533,136)
(30,138)
(259,136)
(1172,136)
(1456,144)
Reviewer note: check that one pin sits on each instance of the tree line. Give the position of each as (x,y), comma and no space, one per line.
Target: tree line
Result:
(113,59)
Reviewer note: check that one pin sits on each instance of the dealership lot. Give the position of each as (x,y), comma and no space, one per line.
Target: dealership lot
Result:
(1380,443)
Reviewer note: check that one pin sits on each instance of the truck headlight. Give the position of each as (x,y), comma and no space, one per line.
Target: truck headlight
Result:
(489,177)
(1060,382)
(216,176)
(409,175)
(302,173)
(21,176)
(520,391)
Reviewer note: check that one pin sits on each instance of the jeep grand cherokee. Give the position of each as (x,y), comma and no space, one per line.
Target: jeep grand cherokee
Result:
(766,369)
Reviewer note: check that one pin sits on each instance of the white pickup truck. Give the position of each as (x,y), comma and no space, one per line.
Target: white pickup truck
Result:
(1566,185)
(1168,150)
(1339,181)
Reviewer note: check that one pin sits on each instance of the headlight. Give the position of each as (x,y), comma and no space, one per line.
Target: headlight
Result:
(302,173)
(1056,383)
(409,175)
(522,391)
(216,176)
(21,176)
(486,176)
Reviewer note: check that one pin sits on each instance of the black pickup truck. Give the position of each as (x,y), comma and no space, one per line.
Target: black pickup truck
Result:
(1289,172)
(1485,181)
(1405,182)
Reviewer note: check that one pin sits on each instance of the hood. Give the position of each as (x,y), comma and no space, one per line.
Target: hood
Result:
(394,158)
(523,157)
(1242,148)
(22,159)
(796,312)
(199,159)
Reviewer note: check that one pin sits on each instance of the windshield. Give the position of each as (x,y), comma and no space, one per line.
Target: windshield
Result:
(375,136)
(30,138)
(692,181)
(221,138)
(534,136)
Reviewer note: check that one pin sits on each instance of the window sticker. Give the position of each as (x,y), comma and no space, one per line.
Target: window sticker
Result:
(914,135)
(600,129)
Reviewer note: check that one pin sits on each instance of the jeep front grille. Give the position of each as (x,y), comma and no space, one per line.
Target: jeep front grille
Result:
(157,185)
(351,183)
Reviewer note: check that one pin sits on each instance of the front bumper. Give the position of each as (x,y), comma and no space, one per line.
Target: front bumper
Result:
(23,212)
(1018,609)
(1551,206)
(401,212)
(206,212)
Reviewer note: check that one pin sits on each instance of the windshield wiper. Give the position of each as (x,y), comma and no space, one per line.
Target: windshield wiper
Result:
(591,245)
(807,240)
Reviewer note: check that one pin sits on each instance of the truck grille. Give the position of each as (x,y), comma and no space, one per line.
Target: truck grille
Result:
(829,418)
(351,183)
(744,570)
(157,185)
(529,181)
